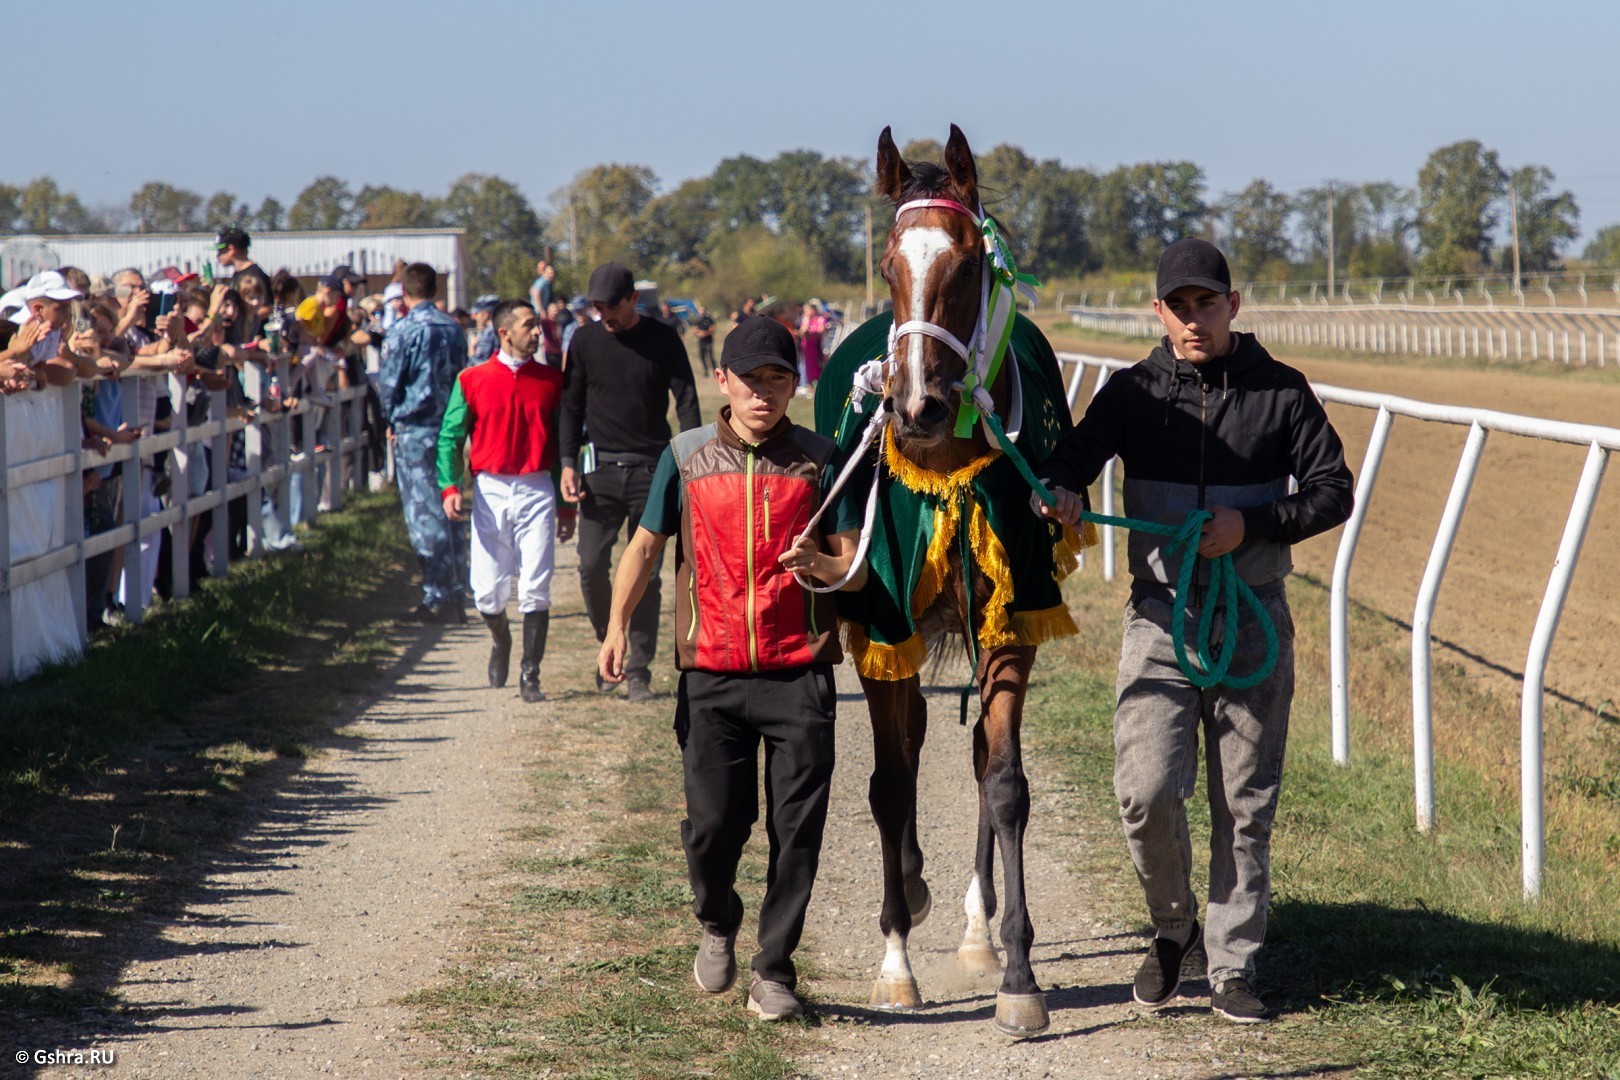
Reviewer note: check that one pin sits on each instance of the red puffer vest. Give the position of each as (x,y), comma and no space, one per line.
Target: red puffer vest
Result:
(736,609)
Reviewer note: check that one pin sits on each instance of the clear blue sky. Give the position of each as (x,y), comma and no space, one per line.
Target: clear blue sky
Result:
(251,98)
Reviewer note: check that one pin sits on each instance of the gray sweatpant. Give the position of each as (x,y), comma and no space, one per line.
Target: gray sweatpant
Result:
(1156,724)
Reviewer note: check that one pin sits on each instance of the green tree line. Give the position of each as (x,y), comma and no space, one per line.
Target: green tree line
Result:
(797,222)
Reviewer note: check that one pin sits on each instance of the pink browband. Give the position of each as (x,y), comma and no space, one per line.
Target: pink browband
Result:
(935,204)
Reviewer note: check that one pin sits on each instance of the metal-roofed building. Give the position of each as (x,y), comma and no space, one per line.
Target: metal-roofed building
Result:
(370,252)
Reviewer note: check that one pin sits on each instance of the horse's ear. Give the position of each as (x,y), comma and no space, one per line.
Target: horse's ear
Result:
(959,162)
(892,173)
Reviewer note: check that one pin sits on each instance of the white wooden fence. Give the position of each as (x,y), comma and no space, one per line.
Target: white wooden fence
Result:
(270,466)
(1600,443)
(1583,337)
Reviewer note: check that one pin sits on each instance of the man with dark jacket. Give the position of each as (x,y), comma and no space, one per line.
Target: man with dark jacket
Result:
(1209,421)
(620,374)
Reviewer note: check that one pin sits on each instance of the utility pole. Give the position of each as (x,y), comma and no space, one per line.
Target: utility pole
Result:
(1331,255)
(868,256)
(1513,216)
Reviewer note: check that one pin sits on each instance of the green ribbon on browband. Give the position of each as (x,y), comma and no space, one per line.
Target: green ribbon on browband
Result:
(1006,284)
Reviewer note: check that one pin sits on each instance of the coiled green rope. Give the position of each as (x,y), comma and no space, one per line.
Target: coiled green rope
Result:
(1224,584)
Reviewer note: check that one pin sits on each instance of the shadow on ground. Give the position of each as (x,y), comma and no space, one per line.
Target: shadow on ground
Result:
(99,869)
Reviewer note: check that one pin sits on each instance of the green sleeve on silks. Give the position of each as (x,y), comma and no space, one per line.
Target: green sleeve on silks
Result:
(452,437)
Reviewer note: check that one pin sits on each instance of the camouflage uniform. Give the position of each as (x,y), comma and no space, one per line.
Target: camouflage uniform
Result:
(421,356)
(487,345)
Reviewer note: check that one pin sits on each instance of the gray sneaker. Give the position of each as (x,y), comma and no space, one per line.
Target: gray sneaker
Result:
(772,1001)
(637,688)
(715,968)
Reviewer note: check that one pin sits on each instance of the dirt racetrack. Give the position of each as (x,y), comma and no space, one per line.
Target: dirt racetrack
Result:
(1510,533)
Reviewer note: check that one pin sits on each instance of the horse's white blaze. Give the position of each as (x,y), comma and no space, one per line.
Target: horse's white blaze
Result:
(920,248)
(896,965)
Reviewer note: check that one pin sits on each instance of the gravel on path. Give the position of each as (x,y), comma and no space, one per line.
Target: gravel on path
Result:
(358,883)
(1083,959)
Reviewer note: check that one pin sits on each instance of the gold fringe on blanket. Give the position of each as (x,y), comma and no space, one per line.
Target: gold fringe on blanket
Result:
(1066,552)
(885,663)
(1039,627)
(914,477)
(876,660)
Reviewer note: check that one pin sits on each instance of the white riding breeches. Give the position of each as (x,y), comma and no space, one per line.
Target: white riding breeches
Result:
(514,534)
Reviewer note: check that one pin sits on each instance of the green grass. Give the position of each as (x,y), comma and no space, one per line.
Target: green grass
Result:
(1400,953)
(584,968)
(118,771)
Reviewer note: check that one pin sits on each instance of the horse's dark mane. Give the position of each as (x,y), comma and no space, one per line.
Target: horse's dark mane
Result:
(928,180)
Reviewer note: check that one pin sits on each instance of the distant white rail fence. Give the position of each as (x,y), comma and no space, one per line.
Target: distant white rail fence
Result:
(1572,336)
(1600,443)
(270,466)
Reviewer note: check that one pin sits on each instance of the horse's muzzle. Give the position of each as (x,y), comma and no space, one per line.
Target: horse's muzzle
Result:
(932,420)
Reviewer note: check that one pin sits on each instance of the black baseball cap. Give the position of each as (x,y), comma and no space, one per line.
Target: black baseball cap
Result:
(758,342)
(232,237)
(609,284)
(344,272)
(1191,261)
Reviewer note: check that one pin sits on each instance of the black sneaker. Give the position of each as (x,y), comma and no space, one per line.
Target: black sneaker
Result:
(637,689)
(1236,1001)
(1160,974)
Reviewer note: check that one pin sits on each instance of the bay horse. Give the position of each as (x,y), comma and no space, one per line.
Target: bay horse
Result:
(959,551)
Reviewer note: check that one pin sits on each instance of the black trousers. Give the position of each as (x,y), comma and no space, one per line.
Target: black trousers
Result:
(720,722)
(616,494)
(706,352)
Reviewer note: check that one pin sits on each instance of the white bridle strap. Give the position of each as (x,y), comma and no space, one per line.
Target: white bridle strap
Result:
(921,326)
(928,329)
(988,328)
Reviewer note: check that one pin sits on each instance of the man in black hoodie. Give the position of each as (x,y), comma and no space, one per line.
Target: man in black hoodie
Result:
(1209,421)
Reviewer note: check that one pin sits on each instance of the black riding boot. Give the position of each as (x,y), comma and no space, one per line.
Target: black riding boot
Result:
(500,652)
(535,624)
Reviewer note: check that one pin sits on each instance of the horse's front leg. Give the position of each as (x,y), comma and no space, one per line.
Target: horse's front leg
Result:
(899,724)
(1003,683)
(977,954)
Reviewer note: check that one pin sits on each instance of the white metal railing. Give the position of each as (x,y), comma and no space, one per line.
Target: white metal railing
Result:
(1600,443)
(270,466)
(1571,336)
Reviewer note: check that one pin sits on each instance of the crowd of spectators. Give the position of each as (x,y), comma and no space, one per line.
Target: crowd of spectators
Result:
(120,338)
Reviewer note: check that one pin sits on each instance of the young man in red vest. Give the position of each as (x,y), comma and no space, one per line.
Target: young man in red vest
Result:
(756,650)
(508,406)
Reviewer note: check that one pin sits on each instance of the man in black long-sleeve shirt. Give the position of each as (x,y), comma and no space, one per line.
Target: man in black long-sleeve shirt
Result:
(617,382)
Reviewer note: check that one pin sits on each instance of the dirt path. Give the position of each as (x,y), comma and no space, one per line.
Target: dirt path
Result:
(357,886)
(1083,959)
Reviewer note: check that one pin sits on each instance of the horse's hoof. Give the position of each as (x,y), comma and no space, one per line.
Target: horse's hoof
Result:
(920,909)
(1021,1015)
(979,959)
(896,994)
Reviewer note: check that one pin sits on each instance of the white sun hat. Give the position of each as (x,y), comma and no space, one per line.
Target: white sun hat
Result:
(49,285)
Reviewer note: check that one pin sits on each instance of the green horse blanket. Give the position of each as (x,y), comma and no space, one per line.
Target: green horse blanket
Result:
(983,508)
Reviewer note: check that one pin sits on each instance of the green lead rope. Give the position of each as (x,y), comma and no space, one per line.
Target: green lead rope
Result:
(1224,583)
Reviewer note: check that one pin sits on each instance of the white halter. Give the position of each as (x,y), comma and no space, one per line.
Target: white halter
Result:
(978,353)
(989,330)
